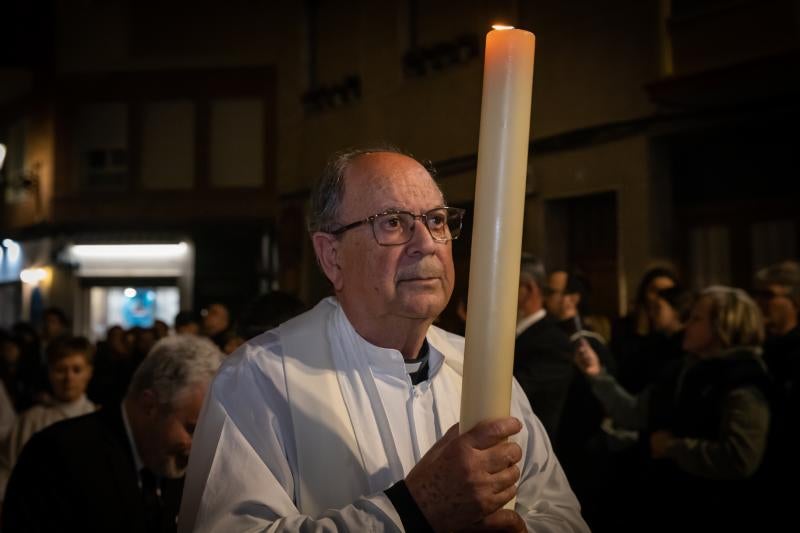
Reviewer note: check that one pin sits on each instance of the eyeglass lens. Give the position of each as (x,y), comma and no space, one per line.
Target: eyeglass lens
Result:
(398,228)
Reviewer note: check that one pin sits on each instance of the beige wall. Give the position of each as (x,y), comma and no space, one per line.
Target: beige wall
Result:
(591,67)
(622,167)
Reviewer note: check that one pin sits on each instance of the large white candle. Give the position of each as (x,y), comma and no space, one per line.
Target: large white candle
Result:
(497,227)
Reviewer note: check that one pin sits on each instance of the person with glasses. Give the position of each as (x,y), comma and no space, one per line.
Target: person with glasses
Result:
(346,417)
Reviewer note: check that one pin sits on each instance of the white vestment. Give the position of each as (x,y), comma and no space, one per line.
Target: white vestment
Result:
(268,456)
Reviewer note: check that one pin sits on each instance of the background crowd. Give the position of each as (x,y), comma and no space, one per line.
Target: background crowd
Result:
(687,406)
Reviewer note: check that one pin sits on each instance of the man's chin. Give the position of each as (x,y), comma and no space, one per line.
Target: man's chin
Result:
(423,308)
(172,470)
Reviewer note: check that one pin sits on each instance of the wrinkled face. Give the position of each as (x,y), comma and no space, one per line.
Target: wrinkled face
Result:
(412,280)
(699,338)
(778,309)
(555,301)
(166,448)
(70,376)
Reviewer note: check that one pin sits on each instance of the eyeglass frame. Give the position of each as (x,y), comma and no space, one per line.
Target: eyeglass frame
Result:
(422,217)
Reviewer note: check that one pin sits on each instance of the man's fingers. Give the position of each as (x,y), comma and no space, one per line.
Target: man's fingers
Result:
(505,480)
(487,433)
(502,456)
(446,439)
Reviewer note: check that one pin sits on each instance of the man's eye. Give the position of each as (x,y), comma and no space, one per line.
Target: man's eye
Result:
(437,220)
(391,222)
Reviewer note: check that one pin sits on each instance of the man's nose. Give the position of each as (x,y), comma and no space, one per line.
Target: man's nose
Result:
(422,239)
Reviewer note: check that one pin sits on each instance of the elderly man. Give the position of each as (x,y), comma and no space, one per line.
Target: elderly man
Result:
(345,418)
(121,468)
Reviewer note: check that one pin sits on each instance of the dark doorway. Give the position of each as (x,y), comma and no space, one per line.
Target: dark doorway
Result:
(581,232)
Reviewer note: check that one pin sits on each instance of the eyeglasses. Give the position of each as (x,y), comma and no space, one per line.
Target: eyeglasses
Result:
(393,227)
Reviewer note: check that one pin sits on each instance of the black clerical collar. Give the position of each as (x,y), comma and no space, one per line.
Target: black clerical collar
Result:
(418,368)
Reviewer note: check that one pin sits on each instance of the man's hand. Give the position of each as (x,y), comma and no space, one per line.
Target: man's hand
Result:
(586,359)
(464,480)
(660,442)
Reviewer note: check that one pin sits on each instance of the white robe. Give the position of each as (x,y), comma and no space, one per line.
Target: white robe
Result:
(243,468)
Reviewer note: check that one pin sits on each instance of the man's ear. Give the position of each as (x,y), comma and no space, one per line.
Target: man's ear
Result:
(326,247)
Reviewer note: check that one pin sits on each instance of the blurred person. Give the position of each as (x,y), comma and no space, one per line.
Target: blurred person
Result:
(143,341)
(567,301)
(15,376)
(216,323)
(542,352)
(582,441)
(187,322)
(778,294)
(667,314)
(114,365)
(160,328)
(8,414)
(69,370)
(362,393)
(31,367)
(121,468)
(631,332)
(232,341)
(55,324)
(706,423)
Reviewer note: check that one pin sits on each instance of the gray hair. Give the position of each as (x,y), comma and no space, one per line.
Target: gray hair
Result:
(174,365)
(786,274)
(328,192)
(532,268)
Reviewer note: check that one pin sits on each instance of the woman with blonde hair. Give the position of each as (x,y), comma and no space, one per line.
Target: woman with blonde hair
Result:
(706,421)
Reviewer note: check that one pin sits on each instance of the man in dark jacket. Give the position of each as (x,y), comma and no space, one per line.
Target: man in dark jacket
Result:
(121,468)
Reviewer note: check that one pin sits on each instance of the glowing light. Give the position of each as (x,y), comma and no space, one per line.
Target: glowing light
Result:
(32,276)
(130,292)
(12,250)
(2,154)
(129,251)
(502,27)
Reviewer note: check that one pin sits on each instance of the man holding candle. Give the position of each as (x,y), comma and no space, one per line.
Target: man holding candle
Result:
(345,418)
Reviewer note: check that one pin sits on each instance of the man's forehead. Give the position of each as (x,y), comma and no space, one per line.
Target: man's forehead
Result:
(390,179)
(385,166)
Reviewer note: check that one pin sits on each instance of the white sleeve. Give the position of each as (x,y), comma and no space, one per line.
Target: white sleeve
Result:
(545,500)
(241,469)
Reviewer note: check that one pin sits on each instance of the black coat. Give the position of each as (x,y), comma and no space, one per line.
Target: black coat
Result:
(543,367)
(79,475)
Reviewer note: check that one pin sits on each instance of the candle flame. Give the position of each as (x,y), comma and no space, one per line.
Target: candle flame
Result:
(502,27)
